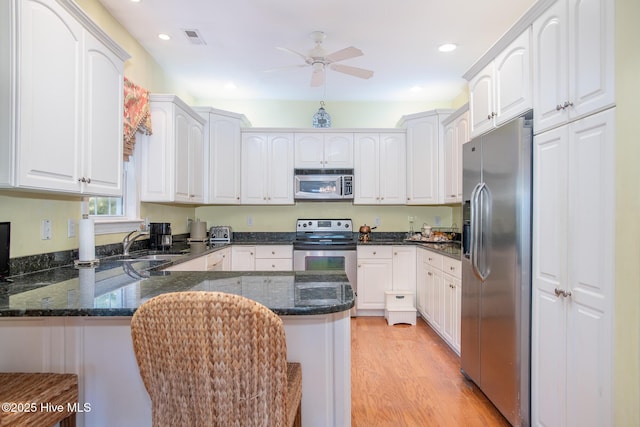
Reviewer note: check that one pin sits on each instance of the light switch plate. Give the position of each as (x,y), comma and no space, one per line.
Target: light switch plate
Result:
(46,229)
(71,228)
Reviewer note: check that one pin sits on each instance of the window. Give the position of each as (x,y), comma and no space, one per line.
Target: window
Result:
(118,214)
(106,206)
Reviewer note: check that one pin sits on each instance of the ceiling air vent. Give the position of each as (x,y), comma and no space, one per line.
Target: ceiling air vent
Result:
(194,36)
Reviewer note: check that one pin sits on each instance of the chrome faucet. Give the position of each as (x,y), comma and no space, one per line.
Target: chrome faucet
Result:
(128,241)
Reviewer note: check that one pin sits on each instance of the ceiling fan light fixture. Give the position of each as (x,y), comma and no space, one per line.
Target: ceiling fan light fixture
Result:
(447,47)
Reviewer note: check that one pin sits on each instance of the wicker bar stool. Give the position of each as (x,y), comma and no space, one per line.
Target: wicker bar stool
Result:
(38,399)
(215,359)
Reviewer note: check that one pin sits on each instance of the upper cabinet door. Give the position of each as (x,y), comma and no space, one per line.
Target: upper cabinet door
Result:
(393,169)
(573,72)
(338,150)
(50,90)
(324,150)
(309,150)
(103,115)
(513,79)
(502,90)
(481,100)
(367,190)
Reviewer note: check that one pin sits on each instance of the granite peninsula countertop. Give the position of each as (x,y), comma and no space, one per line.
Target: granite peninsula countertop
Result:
(117,288)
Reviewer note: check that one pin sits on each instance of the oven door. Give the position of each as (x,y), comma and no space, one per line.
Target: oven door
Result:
(328,259)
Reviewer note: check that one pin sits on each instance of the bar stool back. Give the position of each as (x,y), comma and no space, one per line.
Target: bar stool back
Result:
(215,359)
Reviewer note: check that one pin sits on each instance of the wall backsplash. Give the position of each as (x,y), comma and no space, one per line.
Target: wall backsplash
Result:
(282,218)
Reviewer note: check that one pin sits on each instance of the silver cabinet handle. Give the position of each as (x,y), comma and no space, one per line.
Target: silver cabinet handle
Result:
(561,292)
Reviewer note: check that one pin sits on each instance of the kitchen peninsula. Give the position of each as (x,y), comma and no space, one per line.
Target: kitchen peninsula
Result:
(78,320)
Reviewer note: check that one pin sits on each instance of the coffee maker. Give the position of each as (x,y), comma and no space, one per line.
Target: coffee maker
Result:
(160,236)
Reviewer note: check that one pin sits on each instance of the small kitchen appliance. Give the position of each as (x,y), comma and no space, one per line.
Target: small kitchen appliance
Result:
(160,236)
(323,184)
(326,244)
(219,234)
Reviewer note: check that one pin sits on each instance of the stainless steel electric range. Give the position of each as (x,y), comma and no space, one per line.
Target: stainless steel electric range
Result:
(326,244)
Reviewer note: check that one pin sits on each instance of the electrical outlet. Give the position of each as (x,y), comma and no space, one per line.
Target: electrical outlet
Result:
(376,221)
(437,221)
(46,229)
(250,221)
(71,228)
(412,218)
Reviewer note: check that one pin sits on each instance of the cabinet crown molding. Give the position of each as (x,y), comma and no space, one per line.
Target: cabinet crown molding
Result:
(244,121)
(93,28)
(512,33)
(437,112)
(167,97)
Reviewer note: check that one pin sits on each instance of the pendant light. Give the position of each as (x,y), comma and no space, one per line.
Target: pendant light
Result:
(321,119)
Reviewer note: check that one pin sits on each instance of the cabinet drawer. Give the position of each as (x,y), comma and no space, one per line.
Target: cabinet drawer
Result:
(274,251)
(451,266)
(274,264)
(215,261)
(434,259)
(375,251)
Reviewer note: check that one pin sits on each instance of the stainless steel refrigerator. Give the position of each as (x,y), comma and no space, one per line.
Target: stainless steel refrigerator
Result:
(496,266)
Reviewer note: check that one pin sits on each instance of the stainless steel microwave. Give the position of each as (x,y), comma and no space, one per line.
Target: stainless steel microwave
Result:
(323,184)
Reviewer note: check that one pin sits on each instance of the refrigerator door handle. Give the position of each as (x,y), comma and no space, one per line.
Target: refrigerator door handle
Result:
(484,199)
(475,228)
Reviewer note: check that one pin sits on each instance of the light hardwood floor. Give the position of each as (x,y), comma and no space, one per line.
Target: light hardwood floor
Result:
(406,375)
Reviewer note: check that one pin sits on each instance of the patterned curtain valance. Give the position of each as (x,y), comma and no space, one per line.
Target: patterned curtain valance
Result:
(137,115)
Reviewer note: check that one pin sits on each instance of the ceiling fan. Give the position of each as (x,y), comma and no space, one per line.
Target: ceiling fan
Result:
(318,59)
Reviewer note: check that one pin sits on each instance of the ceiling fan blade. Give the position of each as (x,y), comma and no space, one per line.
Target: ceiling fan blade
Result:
(286,49)
(317,77)
(346,53)
(353,71)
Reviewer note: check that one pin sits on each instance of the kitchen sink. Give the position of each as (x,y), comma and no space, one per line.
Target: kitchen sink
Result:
(158,257)
(146,257)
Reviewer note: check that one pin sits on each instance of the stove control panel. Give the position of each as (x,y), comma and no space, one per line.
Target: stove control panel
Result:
(318,225)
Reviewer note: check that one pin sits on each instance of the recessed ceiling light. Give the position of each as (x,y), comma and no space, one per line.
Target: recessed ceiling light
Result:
(135,1)
(447,47)
(163,36)
(230,86)
(416,89)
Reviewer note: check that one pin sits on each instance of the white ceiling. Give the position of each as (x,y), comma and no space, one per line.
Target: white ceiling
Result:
(399,38)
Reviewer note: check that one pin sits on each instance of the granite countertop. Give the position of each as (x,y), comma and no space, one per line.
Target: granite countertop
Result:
(450,249)
(117,287)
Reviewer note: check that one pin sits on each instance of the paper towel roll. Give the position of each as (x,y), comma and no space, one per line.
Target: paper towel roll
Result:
(198,230)
(87,237)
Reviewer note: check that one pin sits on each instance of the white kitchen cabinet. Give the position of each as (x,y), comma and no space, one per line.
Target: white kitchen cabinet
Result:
(456,133)
(404,268)
(222,155)
(219,260)
(573,61)
(267,168)
(421,282)
(384,268)
(452,301)
(375,276)
(439,294)
(172,159)
(243,258)
(503,89)
(274,258)
(380,168)
(62,103)
(316,150)
(424,161)
(573,273)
